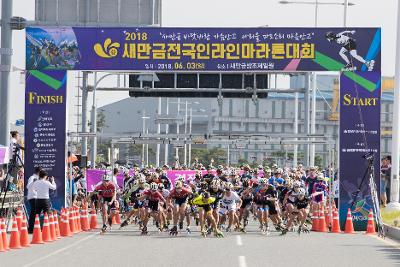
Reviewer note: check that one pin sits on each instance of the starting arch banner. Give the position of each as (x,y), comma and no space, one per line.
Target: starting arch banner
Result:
(355,52)
(203,49)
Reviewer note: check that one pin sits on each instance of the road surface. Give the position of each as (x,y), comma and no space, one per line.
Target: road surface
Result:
(127,248)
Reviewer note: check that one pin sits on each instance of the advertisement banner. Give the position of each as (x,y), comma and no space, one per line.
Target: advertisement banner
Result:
(45,128)
(359,135)
(203,49)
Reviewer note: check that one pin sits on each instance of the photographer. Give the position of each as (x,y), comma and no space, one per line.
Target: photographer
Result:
(31,197)
(16,162)
(42,187)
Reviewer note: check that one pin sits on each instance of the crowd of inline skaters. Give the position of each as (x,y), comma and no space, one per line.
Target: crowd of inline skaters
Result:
(214,201)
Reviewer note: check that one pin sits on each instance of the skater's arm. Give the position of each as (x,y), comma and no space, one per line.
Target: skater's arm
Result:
(344,32)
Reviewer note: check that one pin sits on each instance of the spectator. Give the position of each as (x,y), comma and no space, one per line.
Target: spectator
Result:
(31,197)
(386,170)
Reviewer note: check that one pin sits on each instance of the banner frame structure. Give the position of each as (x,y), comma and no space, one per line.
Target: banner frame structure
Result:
(208,50)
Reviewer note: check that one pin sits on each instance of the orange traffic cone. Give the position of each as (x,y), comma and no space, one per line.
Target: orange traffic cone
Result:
(87,223)
(315,221)
(67,227)
(371,224)
(4,234)
(19,218)
(71,221)
(93,218)
(24,238)
(78,220)
(335,222)
(14,238)
(327,219)
(84,221)
(52,228)
(56,225)
(349,229)
(2,249)
(118,217)
(46,229)
(37,233)
(321,223)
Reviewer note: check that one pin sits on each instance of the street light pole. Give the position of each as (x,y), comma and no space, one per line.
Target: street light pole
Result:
(5,67)
(394,181)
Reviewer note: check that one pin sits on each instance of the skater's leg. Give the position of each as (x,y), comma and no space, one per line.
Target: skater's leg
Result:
(343,55)
(354,54)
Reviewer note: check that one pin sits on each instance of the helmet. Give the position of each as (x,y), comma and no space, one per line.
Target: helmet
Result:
(321,177)
(228,186)
(302,192)
(181,178)
(178,184)
(154,176)
(106,177)
(203,185)
(205,195)
(142,180)
(153,186)
(214,184)
(296,184)
(263,181)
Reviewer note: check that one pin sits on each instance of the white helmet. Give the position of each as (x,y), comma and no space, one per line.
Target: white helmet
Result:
(296,184)
(153,186)
(302,192)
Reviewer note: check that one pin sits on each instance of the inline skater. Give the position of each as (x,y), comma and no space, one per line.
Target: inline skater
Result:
(229,200)
(179,196)
(107,194)
(203,202)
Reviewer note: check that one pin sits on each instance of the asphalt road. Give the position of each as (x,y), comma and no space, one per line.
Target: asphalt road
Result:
(127,248)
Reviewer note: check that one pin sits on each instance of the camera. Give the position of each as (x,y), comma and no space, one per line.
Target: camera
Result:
(368,156)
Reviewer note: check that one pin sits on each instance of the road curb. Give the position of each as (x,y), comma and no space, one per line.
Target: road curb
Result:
(392,232)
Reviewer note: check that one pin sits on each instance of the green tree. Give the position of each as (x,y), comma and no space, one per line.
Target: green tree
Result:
(205,155)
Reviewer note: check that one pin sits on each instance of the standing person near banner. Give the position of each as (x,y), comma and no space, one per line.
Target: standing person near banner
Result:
(385,179)
(42,187)
(31,197)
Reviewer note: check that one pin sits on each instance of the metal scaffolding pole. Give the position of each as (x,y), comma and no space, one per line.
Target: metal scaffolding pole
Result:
(166,132)
(93,150)
(190,132)
(84,120)
(307,117)
(296,126)
(185,146)
(158,132)
(5,67)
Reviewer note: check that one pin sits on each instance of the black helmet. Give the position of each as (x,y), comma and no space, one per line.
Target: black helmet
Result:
(330,36)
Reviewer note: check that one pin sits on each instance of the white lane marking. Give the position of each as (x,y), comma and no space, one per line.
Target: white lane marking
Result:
(239,240)
(60,250)
(242,261)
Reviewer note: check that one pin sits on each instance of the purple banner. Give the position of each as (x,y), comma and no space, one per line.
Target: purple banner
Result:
(203,49)
(359,135)
(4,155)
(45,128)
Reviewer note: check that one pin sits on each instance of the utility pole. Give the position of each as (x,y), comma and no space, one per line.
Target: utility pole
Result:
(5,68)
(394,180)
(158,132)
